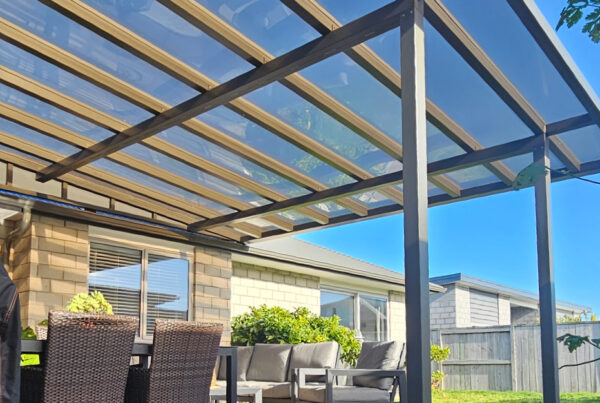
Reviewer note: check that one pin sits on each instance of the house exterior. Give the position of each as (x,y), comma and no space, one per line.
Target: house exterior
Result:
(469,301)
(151,277)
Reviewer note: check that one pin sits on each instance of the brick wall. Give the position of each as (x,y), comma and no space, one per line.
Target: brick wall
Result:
(397,316)
(443,309)
(212,288)
(50,265)
(255,285)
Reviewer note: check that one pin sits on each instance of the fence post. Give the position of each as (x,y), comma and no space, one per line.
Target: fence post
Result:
(513,359)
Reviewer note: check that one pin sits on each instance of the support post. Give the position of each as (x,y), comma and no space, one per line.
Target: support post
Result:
(416,259)
(546,278)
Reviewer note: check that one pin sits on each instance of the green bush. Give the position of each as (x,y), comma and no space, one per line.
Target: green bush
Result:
(279,326)
(438,354)
(93,303)
(29,359)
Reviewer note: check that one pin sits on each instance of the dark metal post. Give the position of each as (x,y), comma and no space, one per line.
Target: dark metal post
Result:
(546,278)
(231,388)
(416,259)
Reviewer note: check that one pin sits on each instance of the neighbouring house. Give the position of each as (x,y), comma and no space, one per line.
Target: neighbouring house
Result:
(154,277)
(470,301)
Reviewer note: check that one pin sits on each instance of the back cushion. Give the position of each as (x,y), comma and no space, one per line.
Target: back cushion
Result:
(377,355)
(244,354)
(269,362)
(316,355)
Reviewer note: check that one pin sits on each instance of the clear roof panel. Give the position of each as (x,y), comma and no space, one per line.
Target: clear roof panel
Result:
(585,143)
(255,136)
(269,23)
(156,23)
(74,38)
(302,115)
(36,137)
(518,163)
(373,199)
(433,190)
(518,55)
(47,74)
(555,162)
(472,177)
(51,113)
(159,185)
(178,168)
(231,161)
(349,10)
(21,153)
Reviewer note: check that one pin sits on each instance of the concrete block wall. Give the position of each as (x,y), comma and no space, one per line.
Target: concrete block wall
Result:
(463,307)
(212,288)
(253,285)
(397,316)
(50,266)
(443,309)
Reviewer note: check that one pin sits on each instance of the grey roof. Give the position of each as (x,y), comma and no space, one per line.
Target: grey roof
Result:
(298,251)
(485,285)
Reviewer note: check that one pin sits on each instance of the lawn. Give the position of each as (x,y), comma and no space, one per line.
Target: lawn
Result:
(456,396)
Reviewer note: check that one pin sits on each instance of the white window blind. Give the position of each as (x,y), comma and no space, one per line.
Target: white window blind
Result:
(116,272)
(167,289)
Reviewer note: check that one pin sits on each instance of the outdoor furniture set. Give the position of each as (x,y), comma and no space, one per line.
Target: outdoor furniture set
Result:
(309,373)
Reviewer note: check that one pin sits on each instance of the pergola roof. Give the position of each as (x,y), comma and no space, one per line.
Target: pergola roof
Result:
(245,119)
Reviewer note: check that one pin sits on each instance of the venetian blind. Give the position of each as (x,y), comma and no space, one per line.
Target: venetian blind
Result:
(116,272)
(167,289)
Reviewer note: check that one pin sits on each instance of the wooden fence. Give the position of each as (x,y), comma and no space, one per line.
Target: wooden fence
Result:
(509,358)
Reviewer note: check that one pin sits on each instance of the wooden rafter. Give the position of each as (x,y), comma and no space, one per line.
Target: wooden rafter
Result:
(87,71)
(209,23)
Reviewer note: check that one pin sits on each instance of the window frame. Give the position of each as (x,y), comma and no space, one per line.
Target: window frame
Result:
(146,250)
(356,296)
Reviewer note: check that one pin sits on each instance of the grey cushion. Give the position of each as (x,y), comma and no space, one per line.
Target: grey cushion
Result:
(269,362)
(315,392)
(315,355)
(377,355)
(244,354)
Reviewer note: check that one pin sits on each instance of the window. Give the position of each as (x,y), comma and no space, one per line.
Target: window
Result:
(141,283)
(365,313)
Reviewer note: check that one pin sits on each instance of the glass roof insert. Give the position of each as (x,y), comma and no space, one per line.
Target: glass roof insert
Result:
(48,112)
(47,74)
(83,43)
(473,176)
(349,10)
(502,35)
(257,137)
(307,118)
(269,23)
(159,185)
(165,29)
(230,161)
(192,174)
(40,139)
(584,142)
(373,199)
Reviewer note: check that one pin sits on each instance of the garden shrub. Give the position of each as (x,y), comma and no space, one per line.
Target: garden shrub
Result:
(438,354)
(275,325)
(92,303)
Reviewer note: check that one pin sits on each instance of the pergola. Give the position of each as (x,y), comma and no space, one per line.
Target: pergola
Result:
(233,121)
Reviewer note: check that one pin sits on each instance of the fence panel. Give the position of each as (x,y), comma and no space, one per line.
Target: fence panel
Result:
(509,358)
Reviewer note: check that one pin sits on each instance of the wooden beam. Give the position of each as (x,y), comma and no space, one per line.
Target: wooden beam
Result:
(367,27)
(87,71)
(209,23)
(71,105)
(320,19)
(566,125)
(475,158)
(116,187)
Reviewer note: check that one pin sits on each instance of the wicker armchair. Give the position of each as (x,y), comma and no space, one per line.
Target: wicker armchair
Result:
(86,359)
(181,369)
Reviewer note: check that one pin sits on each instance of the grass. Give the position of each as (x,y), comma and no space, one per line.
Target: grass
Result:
(467,396)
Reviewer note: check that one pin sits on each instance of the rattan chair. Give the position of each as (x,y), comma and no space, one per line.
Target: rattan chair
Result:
(181,368)
(86,359)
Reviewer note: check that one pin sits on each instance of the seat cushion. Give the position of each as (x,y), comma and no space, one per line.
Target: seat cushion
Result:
(315,355)
(244,354)
(269,362)
(315,392)
(274,390)
(377,355)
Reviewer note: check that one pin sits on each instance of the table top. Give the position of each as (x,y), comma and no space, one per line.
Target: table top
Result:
(240,390)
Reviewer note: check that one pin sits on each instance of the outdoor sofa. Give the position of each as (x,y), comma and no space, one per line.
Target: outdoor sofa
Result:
(308,372)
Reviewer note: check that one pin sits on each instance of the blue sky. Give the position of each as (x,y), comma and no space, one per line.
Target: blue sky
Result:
(494,237)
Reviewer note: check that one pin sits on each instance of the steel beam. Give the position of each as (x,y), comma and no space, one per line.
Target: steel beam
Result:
(546,278)
(416,255)
(365,28)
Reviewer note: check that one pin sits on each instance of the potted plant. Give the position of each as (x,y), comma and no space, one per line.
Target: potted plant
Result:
(83,303)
